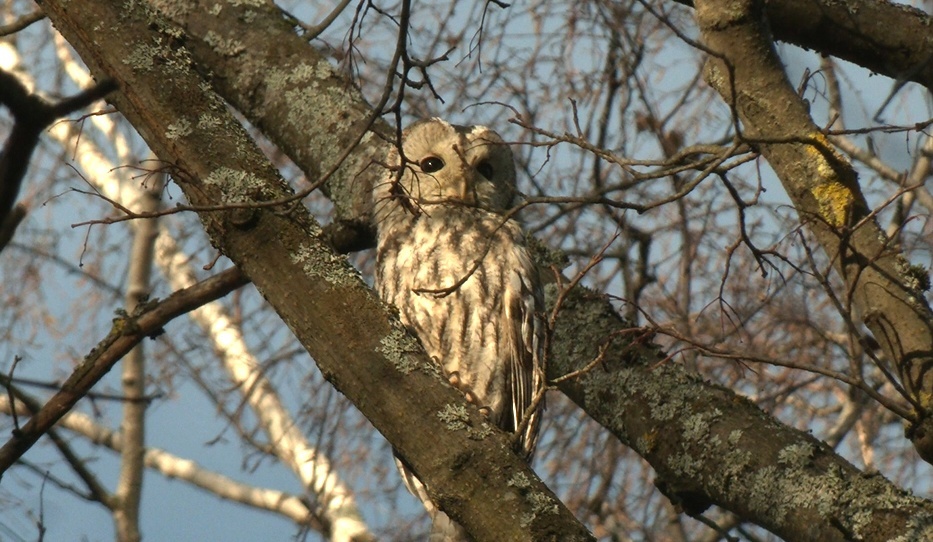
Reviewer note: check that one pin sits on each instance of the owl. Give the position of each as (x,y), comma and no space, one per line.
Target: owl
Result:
(453,261)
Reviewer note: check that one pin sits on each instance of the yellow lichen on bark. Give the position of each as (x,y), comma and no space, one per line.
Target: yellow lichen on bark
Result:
(926,399)
(833,197)
(834,200)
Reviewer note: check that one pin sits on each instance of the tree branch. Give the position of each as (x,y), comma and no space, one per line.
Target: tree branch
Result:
(31,115)
(710,446)
(22,22)
(127,332)
(882,36)
(340,519)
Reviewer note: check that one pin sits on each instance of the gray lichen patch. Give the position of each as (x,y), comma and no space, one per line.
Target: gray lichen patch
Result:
(736,462)
(481,432)
(545,256)
(178,129)
(831,494)
(697,426)
(686,465)
(802,489)
(209,121)
(541,503)
(763,485)
(312,91)
(454,417)
(142,57)
(519,480)
(320,262)
(735,436)
(301,75)
(919,527)
(796,455)
(400,348)
(224,46)
(175,10)
(915,277)
(164,54)
(237,186)
(305,106)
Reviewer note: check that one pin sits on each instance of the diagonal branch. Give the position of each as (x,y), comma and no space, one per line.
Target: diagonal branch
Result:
(341,520)
(710,446)
(30,406)
(127,332)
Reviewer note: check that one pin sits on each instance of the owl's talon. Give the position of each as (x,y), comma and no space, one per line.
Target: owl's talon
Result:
(454,379)
(485,411)
(470,397)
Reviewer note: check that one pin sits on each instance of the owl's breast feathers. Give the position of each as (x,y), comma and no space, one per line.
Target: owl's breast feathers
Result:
(463,280)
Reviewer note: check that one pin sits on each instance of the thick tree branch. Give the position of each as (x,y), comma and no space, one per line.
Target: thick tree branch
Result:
(880,290)
(95,489)
(367,355)
(710,446)
(335,503)
(22,22)
(298,91)
(885,37)
(10,223)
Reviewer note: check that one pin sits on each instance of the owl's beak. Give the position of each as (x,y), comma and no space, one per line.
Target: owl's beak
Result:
(467,194)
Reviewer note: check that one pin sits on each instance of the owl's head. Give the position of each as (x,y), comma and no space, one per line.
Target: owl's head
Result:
(446,164)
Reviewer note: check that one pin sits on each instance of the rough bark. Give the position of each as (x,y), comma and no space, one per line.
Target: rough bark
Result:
(885,37)
(290,91)
(880,289)
(469,467)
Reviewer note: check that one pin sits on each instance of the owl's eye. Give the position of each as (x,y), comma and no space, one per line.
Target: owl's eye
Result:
(431,164)
(485,169)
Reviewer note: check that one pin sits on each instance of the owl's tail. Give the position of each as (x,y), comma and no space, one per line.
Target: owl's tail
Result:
(445,529)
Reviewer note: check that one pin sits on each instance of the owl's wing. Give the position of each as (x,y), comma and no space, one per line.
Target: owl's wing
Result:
(526,350)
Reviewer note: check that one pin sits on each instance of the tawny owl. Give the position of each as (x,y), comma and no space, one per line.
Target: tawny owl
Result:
(456,267)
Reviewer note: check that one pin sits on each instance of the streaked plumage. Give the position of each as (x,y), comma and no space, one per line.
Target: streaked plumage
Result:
(458,271)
